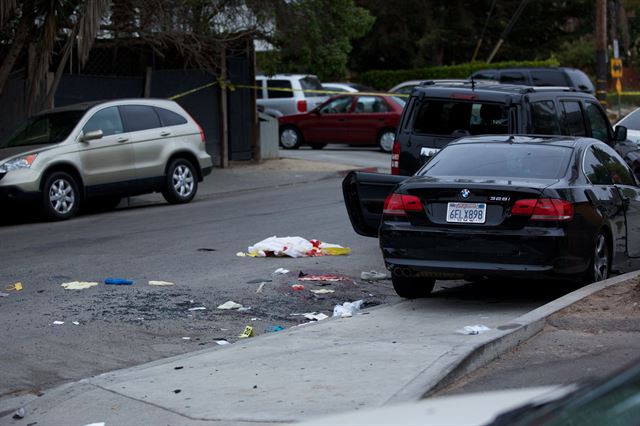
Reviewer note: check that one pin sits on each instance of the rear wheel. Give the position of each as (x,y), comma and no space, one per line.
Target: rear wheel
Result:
(317,145)
(290,137)
(412,287)
(60,196)
(181,182)
(386,139)
(600,261)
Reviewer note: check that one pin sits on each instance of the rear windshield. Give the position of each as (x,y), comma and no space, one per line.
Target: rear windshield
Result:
(44,129)
(500,160)
(460,118)
(311,83)
(580,80)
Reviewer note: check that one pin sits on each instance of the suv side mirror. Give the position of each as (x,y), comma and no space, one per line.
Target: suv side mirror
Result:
(620,134)
(97,134)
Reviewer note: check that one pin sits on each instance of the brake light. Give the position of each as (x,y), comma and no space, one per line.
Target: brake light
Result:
(201,133)
(463,96)
(544,209)
(302,105)
(400,204)
(395,158)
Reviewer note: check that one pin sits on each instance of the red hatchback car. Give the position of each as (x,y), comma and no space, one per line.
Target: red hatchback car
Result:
(367,120)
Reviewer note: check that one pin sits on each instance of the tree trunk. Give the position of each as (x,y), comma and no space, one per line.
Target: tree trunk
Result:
(68,48)
(19,42)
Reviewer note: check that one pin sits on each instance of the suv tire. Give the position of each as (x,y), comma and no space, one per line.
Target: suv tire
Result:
(290,137)
(181,182)
(60,196)
(386,138)
(412,287)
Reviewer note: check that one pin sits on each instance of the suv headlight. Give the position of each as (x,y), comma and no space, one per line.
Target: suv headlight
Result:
(18,163)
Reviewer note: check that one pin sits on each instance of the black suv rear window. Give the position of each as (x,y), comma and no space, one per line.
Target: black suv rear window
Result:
(457,118)
(500,160)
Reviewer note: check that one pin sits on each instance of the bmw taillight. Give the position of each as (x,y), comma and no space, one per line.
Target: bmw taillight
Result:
(302,105)
(400,204)
(395,158)
(543,209)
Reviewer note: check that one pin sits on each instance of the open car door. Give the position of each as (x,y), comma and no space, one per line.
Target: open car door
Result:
(364,195)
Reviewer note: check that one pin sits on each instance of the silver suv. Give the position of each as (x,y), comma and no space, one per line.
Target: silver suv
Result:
(286,94)
(101,152)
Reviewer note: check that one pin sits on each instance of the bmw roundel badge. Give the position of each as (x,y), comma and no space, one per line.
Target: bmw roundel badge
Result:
(465,193)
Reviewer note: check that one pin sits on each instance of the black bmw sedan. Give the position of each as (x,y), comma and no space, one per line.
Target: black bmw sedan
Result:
(489,206)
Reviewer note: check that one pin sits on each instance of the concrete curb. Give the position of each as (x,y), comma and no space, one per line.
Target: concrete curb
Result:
(525,327)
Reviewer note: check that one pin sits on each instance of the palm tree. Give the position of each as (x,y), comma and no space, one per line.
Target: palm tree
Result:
(44,23)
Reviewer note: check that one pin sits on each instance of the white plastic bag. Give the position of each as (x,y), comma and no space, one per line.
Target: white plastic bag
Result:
(347,309)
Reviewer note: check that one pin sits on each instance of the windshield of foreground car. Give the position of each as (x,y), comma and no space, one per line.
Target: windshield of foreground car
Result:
(44,129)
(501,160)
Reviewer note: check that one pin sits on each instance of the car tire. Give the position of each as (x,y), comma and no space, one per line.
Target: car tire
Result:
(386,138)
(317,145)
(600,264)
(181,182)
(60,196)
(290,137)
(412,287)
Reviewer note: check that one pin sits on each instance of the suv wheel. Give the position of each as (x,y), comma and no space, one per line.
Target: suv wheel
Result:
(290,138)
(181,183)
(412,287)
(386,139)
(60,196)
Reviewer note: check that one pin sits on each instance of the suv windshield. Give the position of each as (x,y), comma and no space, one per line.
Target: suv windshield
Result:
(311,83)
(459,118)
(44,129)
(499,160)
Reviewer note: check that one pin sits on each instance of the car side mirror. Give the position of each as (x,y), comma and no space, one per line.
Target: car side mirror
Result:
(620,134)
(89,136)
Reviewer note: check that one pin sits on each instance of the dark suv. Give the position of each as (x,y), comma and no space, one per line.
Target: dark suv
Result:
(558,77)
(438,114)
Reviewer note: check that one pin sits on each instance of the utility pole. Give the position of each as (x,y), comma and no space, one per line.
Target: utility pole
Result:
(601,51)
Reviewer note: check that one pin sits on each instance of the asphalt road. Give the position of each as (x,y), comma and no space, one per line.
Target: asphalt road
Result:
(195,247)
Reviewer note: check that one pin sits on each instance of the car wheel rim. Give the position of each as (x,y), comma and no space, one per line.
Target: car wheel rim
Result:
(289,138)
(183,181)
(61,196)
(386,141)
(601,259)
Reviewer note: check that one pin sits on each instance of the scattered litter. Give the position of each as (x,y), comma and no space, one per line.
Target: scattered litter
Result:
(14,287)
(316,317)
(222,342)
(473,329)
(297,287)
(206,249)
(230,305)
(325,277)
(322,291)
(241,254)
(186,338)
(302,274)
(177,390)
(248,332)
(140,319)
(347,309)
(259,281)
(273,329)
(280,271)
(161,283)
(19,414)
(260,287)
(118,281)
(244,309)
(78,285)
(179,367)
(255,319)
(93,424)
(4,294)
(373,275)
(75,322)
(294,247)
(198,308)
(58,322)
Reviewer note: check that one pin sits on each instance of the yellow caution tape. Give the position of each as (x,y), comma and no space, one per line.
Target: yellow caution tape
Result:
(248,332)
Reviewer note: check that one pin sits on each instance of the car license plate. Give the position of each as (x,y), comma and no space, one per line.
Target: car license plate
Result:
(466,212)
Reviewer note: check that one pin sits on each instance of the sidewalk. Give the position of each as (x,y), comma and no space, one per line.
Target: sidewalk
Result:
(386,355)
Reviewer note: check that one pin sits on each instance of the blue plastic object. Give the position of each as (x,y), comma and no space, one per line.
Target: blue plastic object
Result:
(118,281)
(274,329)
